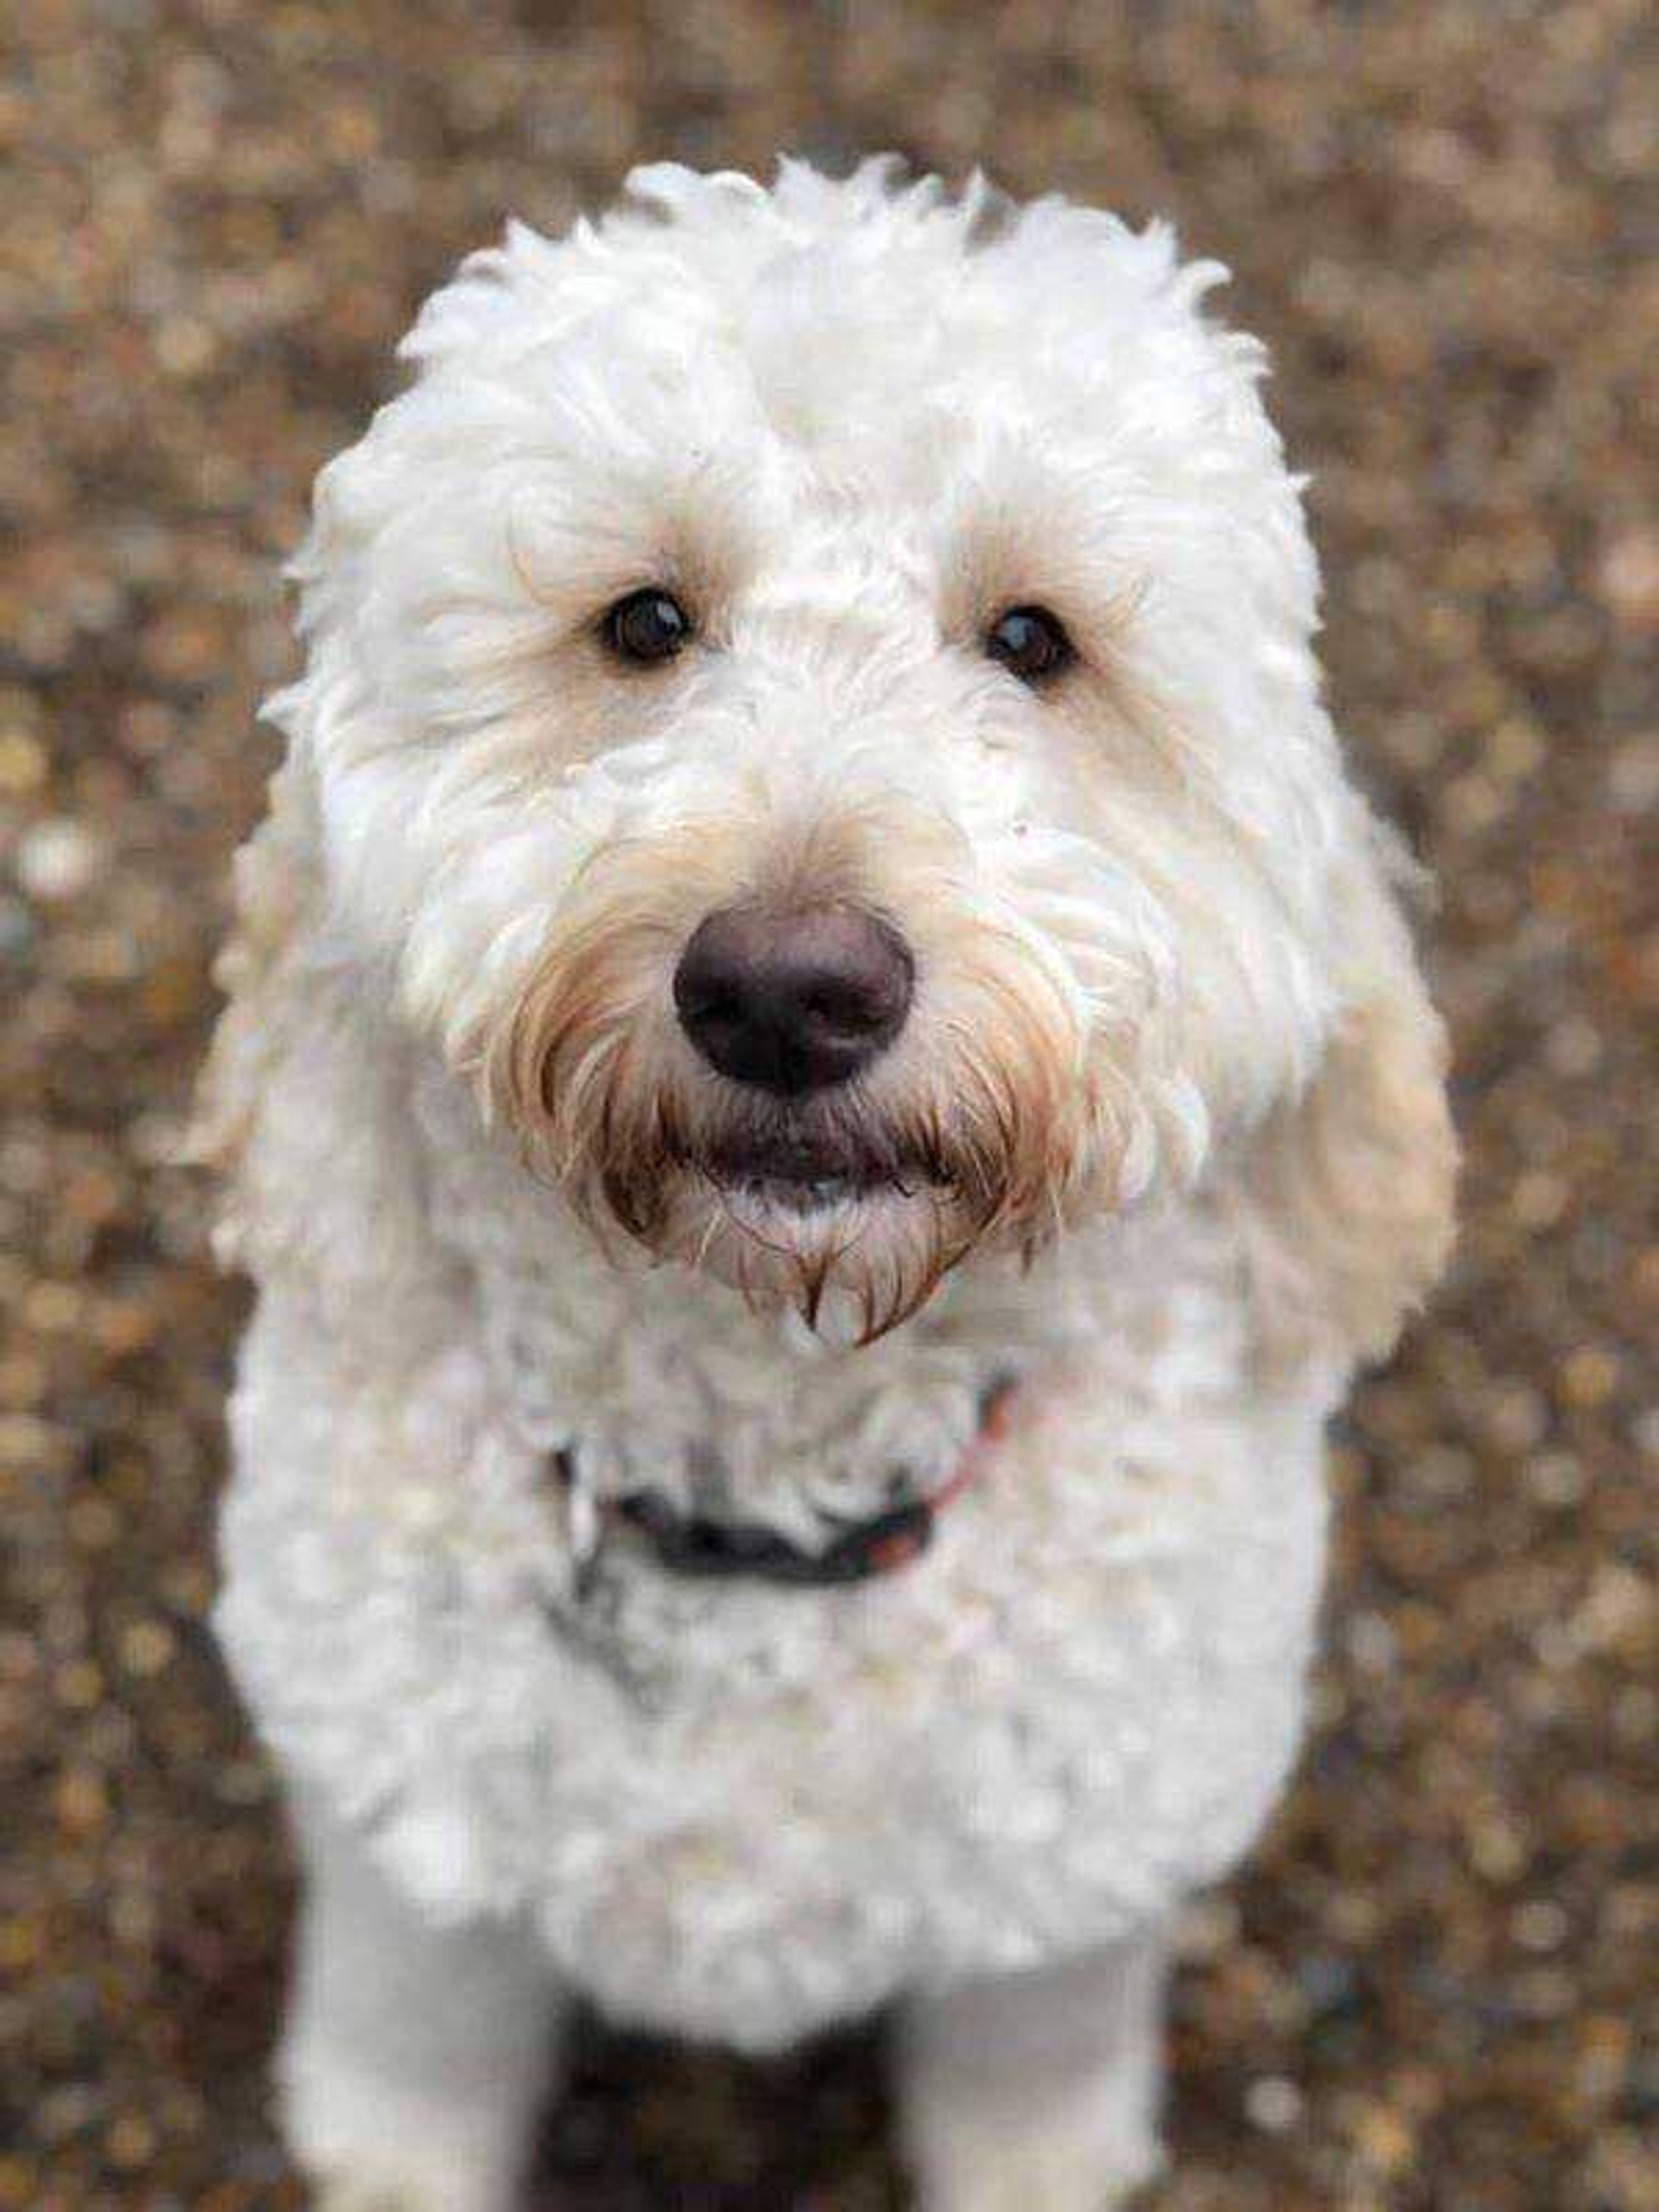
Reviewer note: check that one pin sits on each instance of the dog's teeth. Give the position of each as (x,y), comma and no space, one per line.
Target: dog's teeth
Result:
(806,1193)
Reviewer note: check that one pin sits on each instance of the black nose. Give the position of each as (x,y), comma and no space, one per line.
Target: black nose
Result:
(792,1002)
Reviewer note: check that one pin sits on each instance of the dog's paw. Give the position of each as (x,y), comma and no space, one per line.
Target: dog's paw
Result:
(345,2194)
(367,2145)
(1027,2176)
(374,2189)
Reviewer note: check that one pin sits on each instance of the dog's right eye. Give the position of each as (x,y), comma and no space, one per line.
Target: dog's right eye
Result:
(646,626)
(1030,642)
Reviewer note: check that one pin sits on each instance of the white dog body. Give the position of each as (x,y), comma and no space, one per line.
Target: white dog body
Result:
(1144,1117)
(737,1811)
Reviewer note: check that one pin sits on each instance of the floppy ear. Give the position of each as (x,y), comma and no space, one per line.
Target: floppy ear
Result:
(277,896)
(1346,1195)
(307,1089)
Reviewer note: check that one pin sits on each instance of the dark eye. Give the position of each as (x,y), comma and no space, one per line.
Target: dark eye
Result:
(1030,642)
(648,625)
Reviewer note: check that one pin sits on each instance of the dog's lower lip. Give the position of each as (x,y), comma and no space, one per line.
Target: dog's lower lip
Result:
(811,1197)
(802,1179)
(804,1191)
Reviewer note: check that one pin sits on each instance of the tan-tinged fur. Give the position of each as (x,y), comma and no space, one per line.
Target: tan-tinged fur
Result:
(1348,1194)
(988,1131)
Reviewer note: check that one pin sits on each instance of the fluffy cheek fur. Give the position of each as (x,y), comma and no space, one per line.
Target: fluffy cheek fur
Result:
(982,1123)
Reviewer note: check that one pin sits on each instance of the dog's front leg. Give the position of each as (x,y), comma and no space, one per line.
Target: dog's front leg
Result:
(1037,2090)
(414,2055)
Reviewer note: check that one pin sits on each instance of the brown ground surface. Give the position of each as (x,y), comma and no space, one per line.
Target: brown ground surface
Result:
(217,218)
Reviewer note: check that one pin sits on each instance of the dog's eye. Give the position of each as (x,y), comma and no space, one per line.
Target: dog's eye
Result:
(648,625)
(1030,642)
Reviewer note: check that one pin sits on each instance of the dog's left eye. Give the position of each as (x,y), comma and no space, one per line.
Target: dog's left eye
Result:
(646,626)
(1030,642)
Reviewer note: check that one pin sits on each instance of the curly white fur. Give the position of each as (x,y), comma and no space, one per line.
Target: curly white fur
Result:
(1166,1133)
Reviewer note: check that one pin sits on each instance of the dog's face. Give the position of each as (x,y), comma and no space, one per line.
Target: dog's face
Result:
(810,695)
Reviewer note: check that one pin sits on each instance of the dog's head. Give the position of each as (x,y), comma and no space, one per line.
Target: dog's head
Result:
(810,696)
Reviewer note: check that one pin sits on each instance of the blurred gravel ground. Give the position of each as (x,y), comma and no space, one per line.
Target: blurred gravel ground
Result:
(216,220)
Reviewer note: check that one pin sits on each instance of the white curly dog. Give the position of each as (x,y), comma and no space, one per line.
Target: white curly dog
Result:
(823,1083)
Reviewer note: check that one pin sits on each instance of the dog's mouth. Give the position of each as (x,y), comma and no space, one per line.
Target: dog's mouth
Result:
(856,1218)
(855,1227)
(797,1175)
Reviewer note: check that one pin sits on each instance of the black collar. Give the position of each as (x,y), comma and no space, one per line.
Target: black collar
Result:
(689,1543)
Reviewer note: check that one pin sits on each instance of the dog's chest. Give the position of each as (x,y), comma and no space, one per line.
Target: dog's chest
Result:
(740,1811)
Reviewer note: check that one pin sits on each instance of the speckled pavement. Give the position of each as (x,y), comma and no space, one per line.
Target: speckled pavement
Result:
(217,218)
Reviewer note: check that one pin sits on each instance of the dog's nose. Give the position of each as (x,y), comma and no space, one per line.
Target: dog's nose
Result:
(792,1002)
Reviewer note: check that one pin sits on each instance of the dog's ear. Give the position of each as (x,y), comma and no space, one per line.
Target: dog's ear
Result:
(1346,1194)
(276,896)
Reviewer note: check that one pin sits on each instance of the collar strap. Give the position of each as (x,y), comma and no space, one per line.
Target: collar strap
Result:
(690,1544)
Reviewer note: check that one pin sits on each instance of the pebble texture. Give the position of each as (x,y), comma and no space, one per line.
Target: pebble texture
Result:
(1425,1991)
